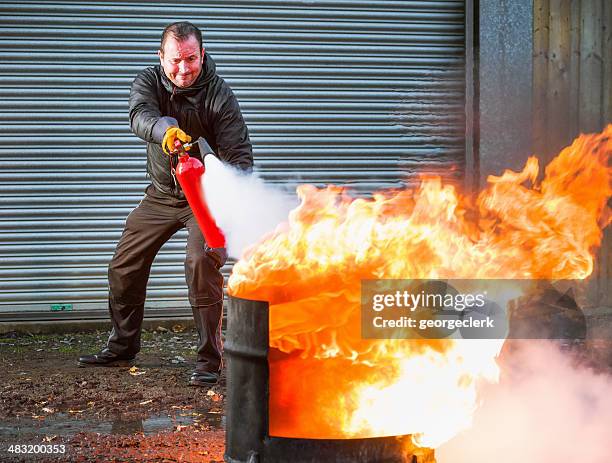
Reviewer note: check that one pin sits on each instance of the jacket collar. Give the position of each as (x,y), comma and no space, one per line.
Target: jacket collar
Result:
(209,70)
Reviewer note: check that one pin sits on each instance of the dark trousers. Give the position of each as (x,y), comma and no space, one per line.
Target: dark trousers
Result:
(147,228)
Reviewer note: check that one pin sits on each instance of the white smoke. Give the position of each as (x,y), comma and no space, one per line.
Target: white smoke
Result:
(544,410)
(243,206)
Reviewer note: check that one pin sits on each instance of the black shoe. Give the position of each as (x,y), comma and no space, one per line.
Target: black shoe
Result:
(206,378)
(105,358)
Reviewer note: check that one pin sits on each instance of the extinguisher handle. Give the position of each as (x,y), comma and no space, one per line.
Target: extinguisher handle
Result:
(180,148)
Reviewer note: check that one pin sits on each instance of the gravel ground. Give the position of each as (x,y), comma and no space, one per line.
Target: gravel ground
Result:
(144,413)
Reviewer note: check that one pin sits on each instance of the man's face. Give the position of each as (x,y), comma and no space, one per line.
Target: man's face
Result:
(182,60)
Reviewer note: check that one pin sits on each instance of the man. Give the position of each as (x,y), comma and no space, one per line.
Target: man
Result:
(182,99)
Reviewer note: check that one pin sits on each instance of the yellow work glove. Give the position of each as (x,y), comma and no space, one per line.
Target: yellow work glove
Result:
(172,134)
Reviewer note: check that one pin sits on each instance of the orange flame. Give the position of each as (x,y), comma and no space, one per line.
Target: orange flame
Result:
(328,382)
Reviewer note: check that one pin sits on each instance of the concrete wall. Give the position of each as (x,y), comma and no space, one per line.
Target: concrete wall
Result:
(505,83)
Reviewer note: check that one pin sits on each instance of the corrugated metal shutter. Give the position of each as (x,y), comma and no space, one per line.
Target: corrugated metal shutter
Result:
(353,92)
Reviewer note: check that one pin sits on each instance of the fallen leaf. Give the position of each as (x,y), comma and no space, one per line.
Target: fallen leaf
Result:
(210,393)
(134,371)
(178,328)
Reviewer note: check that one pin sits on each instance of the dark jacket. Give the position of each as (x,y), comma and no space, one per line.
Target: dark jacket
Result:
(207,109)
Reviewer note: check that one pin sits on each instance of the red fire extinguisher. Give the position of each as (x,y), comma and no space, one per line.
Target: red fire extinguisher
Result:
(189,172)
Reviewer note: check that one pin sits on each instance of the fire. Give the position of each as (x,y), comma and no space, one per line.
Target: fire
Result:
(328,382)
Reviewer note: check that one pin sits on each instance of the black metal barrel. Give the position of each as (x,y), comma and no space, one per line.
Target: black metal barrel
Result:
(246,353)
(247,439)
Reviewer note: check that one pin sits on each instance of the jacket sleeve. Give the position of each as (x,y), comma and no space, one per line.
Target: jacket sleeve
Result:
(232,134)
(146,119)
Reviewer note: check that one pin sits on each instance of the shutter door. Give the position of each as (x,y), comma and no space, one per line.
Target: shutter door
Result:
(360,93)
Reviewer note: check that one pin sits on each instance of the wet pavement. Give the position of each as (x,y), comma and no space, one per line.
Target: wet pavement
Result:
(52,410)
(63,425)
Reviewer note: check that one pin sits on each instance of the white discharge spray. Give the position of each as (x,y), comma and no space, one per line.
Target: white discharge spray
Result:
(243,206)
(544,410)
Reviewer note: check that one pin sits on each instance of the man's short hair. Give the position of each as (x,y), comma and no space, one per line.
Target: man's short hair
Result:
(181,30)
